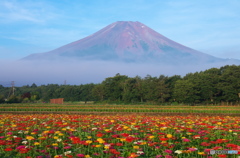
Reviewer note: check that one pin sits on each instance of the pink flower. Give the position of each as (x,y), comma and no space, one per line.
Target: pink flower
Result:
(80,155)
(9,133)
(192,149)
(168,151)
(20,147)
(186,140)
(67,147)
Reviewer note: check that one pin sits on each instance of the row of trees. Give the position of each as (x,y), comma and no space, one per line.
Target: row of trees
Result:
(213,86)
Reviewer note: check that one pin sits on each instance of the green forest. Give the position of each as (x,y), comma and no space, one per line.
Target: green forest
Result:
(213,86)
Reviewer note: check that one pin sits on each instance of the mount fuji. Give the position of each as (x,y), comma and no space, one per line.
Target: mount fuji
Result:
(131,42)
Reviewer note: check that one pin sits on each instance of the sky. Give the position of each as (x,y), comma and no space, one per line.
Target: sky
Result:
(33,26)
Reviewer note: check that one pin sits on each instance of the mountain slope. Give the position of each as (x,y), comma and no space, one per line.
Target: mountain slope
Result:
(129,42)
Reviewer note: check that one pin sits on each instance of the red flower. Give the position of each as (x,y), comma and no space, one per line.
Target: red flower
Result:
(125,134)
(75,140)
(2,142)
(129,139)
(231,145)
(99,135)
(163,139)
(115,136)
(119,144)
(23,150)
(222,155)
(8,149)
(205,144)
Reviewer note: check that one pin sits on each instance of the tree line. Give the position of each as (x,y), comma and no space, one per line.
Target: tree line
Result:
(212,86)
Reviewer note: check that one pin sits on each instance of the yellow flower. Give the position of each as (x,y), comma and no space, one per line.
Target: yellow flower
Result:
(97,146)
(135,147)
(57,132)
(41,138)
(89,137)
(106,147)
(169,136)
(163,128)
(36,143)
(219,123)
(143,143)
(87,156)
(107,130)
(100,140)
(64,129)
(45,132)
(122,139)
(200,153)
(151,137)
(112,121)
(60,134)
(29,138)
(89,141)
(55,144)
(55,137)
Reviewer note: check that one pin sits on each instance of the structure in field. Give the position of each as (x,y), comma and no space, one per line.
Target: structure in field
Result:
(57,101)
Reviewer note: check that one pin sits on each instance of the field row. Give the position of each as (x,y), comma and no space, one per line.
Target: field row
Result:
(117,108)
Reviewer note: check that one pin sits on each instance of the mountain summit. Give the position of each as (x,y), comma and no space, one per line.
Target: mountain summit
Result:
(129,42)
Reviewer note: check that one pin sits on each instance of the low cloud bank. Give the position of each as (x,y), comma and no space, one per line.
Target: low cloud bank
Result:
(82,72)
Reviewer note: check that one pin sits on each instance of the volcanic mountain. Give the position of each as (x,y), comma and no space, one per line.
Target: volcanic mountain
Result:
(129,42)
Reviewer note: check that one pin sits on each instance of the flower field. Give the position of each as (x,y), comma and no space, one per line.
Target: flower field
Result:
(117,136)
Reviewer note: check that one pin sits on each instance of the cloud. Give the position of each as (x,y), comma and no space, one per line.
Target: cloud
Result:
(83,72)
(25,11)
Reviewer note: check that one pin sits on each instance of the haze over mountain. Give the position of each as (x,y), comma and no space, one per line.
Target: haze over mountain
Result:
(128,41)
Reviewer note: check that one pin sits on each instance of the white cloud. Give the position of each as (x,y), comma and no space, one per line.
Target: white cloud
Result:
(25,11)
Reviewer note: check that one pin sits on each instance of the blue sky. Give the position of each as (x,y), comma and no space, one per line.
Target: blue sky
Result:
(33,26)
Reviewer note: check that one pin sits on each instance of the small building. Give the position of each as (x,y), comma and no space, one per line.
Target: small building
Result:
(57,101)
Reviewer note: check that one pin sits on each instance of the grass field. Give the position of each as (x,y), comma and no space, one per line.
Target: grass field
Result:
(118,131)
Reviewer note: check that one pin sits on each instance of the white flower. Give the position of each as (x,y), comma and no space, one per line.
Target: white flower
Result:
(24,142)
(67,152)
(140,152)
(178,151)
(59,140)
